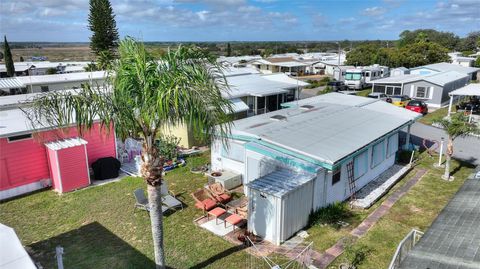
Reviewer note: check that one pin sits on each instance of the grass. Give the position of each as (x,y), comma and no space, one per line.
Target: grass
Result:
(437,114)
(98,228)
(417,209)
(364,92)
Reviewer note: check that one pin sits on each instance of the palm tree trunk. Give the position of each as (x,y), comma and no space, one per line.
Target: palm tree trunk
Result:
(151,170)
(448,158)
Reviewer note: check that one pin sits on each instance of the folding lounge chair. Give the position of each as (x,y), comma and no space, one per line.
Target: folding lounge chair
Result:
(141,201)
(169,198)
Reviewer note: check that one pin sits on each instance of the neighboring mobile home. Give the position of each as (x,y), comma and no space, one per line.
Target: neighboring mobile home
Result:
(46,83)
(432,88)
(31,158)
(251,94)
(445,67)
(297,160)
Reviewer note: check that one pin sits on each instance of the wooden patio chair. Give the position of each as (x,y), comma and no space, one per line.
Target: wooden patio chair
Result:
(219,193)
(203,200)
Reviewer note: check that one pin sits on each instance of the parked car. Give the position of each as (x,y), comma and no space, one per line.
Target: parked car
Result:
(337,86)
(400,100)
(473,104)
(417,106)
(379,95)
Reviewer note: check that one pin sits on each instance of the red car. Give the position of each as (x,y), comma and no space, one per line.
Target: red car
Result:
(417,106)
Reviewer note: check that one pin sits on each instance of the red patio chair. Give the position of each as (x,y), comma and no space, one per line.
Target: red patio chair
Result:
(203,200)
(219,193)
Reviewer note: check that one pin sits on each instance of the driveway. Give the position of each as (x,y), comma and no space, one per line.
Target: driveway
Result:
(307,93)
(464,148)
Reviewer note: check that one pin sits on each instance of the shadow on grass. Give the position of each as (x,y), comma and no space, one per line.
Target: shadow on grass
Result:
(90,246)
(463,163)
(218,256)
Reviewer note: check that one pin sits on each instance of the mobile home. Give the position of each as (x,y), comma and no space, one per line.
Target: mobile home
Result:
(302,158)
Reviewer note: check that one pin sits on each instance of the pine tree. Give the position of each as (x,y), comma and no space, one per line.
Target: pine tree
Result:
(102,23)
(8,58)
(229,50)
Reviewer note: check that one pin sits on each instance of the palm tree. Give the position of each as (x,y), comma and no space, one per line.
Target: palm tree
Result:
(144,94)
(455,126)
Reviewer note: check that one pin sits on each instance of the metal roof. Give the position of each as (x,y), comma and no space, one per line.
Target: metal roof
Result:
(453,240)
(330,131)
(66,143)
(472,89)
(440,79)
(256,85)
(238,105)
(280,182)
(443,67)
(60,78)
(11,83)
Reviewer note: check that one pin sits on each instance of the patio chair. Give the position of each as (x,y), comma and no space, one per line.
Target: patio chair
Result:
(235,219)
(141,201)
(203,200)
(219,193)
(169,199)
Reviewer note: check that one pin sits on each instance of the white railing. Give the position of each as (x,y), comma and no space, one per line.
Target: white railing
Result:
(404,247)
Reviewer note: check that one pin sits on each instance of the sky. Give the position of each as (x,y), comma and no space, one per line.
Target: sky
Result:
(239,20)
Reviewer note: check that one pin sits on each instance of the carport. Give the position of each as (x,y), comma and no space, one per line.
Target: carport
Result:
(472,89)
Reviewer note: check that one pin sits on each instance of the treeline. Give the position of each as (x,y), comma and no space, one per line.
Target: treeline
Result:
(414,48)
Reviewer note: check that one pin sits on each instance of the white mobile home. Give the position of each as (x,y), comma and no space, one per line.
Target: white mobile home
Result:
(295,160)
(45,83)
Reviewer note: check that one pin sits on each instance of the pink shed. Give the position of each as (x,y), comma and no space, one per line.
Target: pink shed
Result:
(68,164)
(24,164)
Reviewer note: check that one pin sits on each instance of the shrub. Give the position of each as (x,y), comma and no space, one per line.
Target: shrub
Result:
(355,254)
(168,146)
(330,214)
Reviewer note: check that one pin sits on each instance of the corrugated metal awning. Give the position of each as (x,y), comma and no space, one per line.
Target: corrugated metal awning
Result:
(11,83)
(66,143)
(280,182)
(238,105)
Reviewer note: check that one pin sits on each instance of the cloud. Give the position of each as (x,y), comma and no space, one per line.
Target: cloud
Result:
(374,11)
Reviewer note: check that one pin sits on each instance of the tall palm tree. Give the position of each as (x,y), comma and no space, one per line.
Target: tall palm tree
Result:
(144,94)
(455,126)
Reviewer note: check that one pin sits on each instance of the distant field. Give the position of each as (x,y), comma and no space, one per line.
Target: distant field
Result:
(75,53)
(68,53)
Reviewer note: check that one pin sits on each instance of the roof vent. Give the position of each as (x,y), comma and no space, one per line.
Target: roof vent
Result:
(307,107)
(278,117)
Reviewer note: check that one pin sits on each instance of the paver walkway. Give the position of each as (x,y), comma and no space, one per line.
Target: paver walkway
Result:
(321,261)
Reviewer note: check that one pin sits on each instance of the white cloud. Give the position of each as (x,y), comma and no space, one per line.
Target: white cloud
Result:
(374,11)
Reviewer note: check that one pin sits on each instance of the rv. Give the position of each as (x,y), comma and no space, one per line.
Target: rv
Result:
(359,78)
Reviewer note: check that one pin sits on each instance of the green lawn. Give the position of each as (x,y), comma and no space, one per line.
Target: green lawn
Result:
(417,209)
(98,228)
(437,114)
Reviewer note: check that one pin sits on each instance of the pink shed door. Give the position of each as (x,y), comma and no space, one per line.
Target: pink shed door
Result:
(73,168)
(68,163)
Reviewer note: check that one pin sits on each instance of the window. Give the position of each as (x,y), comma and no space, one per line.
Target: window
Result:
(367,74)
(422,92)
(397,90)
(353,76)
(392,145)
(377,154)
(360,164)
(19,137)
(235,152)
(44,88)
(336,175)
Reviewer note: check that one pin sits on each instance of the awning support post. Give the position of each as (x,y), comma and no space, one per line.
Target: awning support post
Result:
(450,106)
(407,139)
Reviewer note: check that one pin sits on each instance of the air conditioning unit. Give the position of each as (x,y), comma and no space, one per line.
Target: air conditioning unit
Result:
(229,180)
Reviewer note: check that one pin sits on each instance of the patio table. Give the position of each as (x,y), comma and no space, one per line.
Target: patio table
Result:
(236,204)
